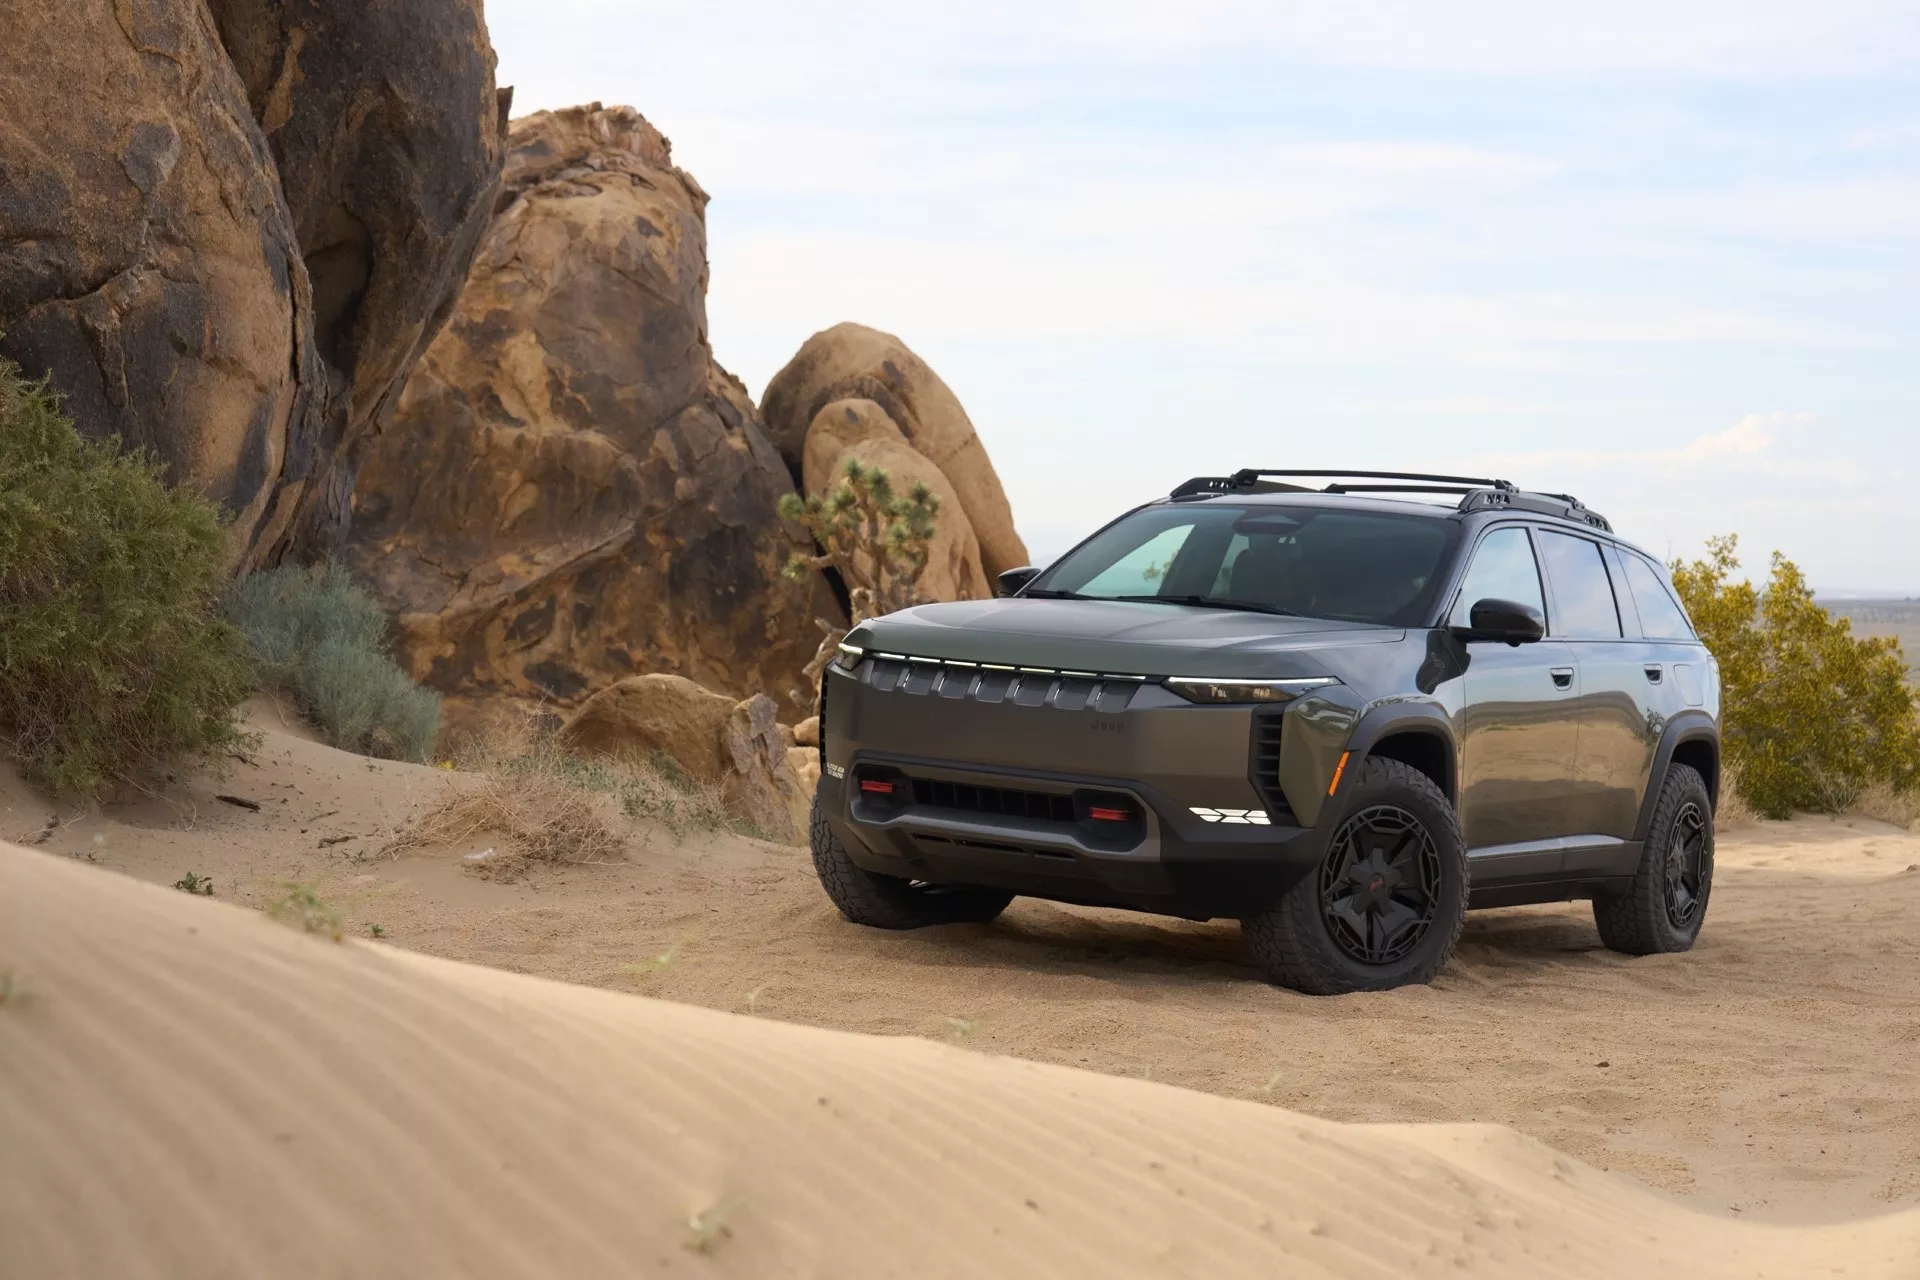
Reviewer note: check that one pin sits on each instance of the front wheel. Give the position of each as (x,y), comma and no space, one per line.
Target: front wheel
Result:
(1666,903)
(1387,903)
(888,902)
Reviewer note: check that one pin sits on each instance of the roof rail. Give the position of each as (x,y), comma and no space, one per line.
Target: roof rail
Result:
(1476,493)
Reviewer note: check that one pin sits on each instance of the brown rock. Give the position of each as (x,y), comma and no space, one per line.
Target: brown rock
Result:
(643,715)
(736,745)
(150,266)
(851,361)
(387,134)
(571,490)
(807,732)
(850,430)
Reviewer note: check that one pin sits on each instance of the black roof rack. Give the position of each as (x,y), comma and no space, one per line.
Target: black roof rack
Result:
(1475,493)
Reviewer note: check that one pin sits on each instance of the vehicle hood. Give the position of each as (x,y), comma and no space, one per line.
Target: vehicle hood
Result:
(1117,637)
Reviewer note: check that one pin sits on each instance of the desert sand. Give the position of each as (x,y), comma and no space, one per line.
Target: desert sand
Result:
(187,1088)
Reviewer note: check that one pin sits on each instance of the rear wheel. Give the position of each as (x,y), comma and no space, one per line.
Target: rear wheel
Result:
(1663,908)
(1386,904)
(888,902)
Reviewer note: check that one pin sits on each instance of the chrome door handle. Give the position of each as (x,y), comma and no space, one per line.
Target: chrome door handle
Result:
(1563,677)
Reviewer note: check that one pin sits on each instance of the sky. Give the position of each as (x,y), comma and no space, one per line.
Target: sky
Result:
(1662,256)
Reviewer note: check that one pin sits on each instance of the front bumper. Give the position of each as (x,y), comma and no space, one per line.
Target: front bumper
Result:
(992,777)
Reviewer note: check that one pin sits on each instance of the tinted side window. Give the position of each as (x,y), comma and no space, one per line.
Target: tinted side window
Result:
(1660,617)
(1582,595)
(1503,569)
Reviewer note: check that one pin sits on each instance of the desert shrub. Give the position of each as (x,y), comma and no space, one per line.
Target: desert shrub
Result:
(549,804)
(1811,715)
(321,639)
(875,539)
(113,653)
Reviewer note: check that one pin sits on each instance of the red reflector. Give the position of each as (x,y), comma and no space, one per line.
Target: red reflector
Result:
(1100,814)
(877,788)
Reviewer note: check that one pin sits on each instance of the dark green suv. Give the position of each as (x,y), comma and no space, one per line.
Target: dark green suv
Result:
(1340,715)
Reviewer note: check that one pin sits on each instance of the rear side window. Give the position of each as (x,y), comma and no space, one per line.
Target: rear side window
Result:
(1503,569)
(1582,593)
(1660,616)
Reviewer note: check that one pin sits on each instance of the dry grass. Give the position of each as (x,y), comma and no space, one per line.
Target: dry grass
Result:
(1733,811)
(532,800)
(1884,804)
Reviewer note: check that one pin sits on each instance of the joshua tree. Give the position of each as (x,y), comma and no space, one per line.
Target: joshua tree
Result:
(876,539)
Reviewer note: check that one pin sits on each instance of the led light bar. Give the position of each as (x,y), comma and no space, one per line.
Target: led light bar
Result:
(1235,689)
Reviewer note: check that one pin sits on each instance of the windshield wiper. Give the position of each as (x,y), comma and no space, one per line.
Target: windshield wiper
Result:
(1044,594)
(1212,602)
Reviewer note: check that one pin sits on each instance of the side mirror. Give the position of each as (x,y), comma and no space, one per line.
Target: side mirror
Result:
(1505,620)
(1010,582)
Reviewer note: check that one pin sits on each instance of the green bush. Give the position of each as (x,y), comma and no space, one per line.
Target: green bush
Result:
(320,638)
(113,654)
(1811,715)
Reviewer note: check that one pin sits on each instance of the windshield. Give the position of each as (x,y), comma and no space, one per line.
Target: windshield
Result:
(1351,566)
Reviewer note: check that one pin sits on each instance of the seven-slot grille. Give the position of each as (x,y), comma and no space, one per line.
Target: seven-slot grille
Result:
(1103,692)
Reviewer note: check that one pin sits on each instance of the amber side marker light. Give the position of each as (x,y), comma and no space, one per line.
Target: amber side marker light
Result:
(1337,771)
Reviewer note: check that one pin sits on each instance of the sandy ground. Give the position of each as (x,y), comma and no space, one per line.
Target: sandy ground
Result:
(189,1089)
(1773,1074)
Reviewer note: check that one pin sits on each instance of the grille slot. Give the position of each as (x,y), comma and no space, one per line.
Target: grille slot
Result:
(931,793)
(1266,766)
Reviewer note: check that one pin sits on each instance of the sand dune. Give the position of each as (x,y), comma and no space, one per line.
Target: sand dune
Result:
(189,1089)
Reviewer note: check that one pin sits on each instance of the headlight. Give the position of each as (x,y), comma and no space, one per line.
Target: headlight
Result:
(1202,689)
(849,656)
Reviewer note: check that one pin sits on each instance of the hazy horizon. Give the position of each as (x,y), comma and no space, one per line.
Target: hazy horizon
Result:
(1664,257)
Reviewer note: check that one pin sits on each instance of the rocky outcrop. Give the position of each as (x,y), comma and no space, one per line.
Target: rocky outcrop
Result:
(737,746)
(148,264)
(853,362)
(233,269)
(860,430)
(387,135)
(571,491)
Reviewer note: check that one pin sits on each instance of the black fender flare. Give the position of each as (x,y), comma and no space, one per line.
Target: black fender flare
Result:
(1691,725)
(1429,719)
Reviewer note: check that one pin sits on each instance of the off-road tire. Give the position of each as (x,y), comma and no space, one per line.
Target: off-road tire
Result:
(1638,921)
(1293,941)
(888,902)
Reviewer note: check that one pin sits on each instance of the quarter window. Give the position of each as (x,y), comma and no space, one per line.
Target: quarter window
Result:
(1503,569)
(1660,617)
(1582,594)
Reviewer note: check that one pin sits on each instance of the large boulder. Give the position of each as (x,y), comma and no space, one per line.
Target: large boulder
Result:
(860,430)
(736,745)
(148,263)
(571,490)
(387,134)
(853,362)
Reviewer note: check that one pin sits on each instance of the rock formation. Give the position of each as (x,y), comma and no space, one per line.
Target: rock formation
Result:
(571,490)
(149,264)
(735,745)
(853,362)
(387,134)
(849,430)
(156,268)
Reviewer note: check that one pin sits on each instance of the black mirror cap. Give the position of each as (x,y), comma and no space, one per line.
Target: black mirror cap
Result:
(1010,582)
(1504,620)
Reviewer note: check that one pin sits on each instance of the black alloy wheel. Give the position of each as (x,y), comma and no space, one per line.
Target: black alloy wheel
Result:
(1380,885)
(1686,863)
(1662,908)
(1384,905)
